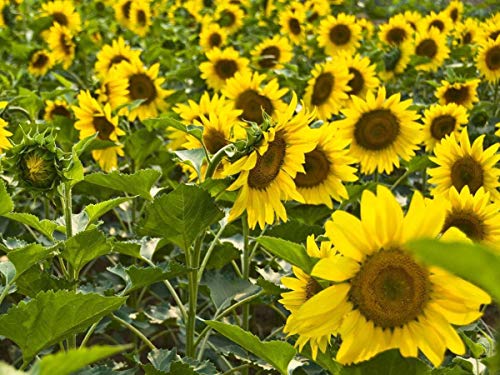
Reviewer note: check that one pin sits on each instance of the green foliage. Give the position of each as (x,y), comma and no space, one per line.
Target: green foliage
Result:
(291,252)
(24,258)
(95,211)
(387,363)
(46,227)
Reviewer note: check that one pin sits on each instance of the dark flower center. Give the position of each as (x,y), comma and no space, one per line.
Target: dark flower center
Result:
(376,130)
(60,110)
(226,68)
(41,60)
(269,57)
(141,17)
(443,125)
(454,14)
(340,34)
(493,58)
(467,38)
(322,88)
(467,171)
(396,35)
(215,40)
(252,105)
(316,166)
(60,18)
(468,222)
(213,140)
(103,126)
(494,35)
(126,9)
(357,82)
(117,59)
(312,288)
(437,24)
(294,25)
(268,165)
(140,86)
(457,96)
(427,47)
(66,45)
(227,18)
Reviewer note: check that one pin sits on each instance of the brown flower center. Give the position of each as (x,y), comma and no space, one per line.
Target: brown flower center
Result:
(456,95)
(340,34)
(141,17)
(467,171)
(494,35)
(493,58)
(116,60)
(213,140)
(316,166)
(312,288)
(103,126)
(40,61)
(126,9)
(454,14)
(225,68)
(60,110)
(467,38)
(396,35)
(227,18)
(437,24)
(294,26)
(252,104)
(442,125)
(390,289)
(427,47)
(357,82)
(269,57)
(468,222)
(268,165)
(141,86)
(215,40)
(60,18)
(376,130)
(66,44)
(322,88)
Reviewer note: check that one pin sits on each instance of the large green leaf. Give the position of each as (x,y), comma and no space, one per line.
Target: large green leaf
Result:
(473,262)
(65,363)
(141,144)
(277,353)
(51,317)
(224,288)
(387,363)
(181,215)
(6,204)
(46,227)
(291,252)
(139,183)
(85,247)
(27,256)
(95,211)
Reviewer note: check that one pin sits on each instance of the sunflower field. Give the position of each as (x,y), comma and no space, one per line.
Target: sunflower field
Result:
(201,187)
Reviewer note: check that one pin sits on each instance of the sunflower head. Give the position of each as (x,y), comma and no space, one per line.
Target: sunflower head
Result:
(40,62)
(460,93)
(440,121)
(488,59)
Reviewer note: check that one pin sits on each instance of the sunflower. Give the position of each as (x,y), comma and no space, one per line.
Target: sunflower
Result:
(229,17)
(114,54)
(381,297)
(190,10)
(364,77)
(266,174)
(488,59)
(497,133)
(339,34)
(317,9)
(40,62)
(413,18)
(273,52)
(211,36)
(468,32)
(396,31)
(304,287)
(454,11)
(63,13)
(143,84)
(460,164)
(56,108)
(325,169)
(396,60)
(60,41)
(248,94)
(367,27)
(381,131)
(328,88)
(440,21)
(490,28)
(122,12)
(92,117)
(140,17)
(461,93)
(474,215)
(293,24)
(442,120)
(432,45)
(221,65)
(4,134)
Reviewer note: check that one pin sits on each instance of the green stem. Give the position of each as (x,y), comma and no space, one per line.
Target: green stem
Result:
(211,248)
(238,368)
(134,330)
(400,179)
(216,159)
(424,181)
(193,261)
(5,291)
(245,270)
(68,210)
(88,334)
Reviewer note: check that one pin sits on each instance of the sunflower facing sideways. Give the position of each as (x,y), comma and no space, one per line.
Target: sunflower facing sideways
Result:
(461,93)
(266,174)
(380,296)
(55,108)
(462,164)
(92,117)
(328,88)
(40,62)
(60,41)
(454,11)
(249,94)
(396,60)
(442,120)
(222,65)
(339,34)
(64,13)
(140,17)
(273,52)
(364,77)
(488,59)
(114,54)
(432,45)
(440,21)
(381,131)
(229,17)
(293,24)
(325,169)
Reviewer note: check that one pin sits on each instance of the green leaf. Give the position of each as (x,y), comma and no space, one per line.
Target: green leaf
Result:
(295,231)
(291,252)
(51,317)
(27,256)
(66,363)
(224,288)
(139,183)
(132,249)
(46,227)
(277,353)
(473,262)
(85,247)
(387,363)
(141,144)
(95,211)
(181,215)
(6,204)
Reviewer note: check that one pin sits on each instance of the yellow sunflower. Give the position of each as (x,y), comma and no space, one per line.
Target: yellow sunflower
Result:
(468,32)
(4,134)
(303,287)
(114,54)
(317,9)
(431,44)
(273,52)
(396,60)
(328,88)
(460,164)
(92,117)
(454,11)
(364,78)
(413,18)
(60,41)
(56,108)
(122,12)
(211,36)
(440,21)
(380,296)
(143,84)
(182,9)
(140,17)
(249,94)
(266,175)
(325,169)
(442,120)
(488,59)
(229,17)
(339,34)
(474,214)
(293,24)
(221,65)
(461,93)
(40,63)
(382,130)
(62,12)
(490,29)
(396,31)
(367,27)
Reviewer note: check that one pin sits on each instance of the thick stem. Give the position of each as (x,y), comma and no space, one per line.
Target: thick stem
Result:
(193,262)
(216,159)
